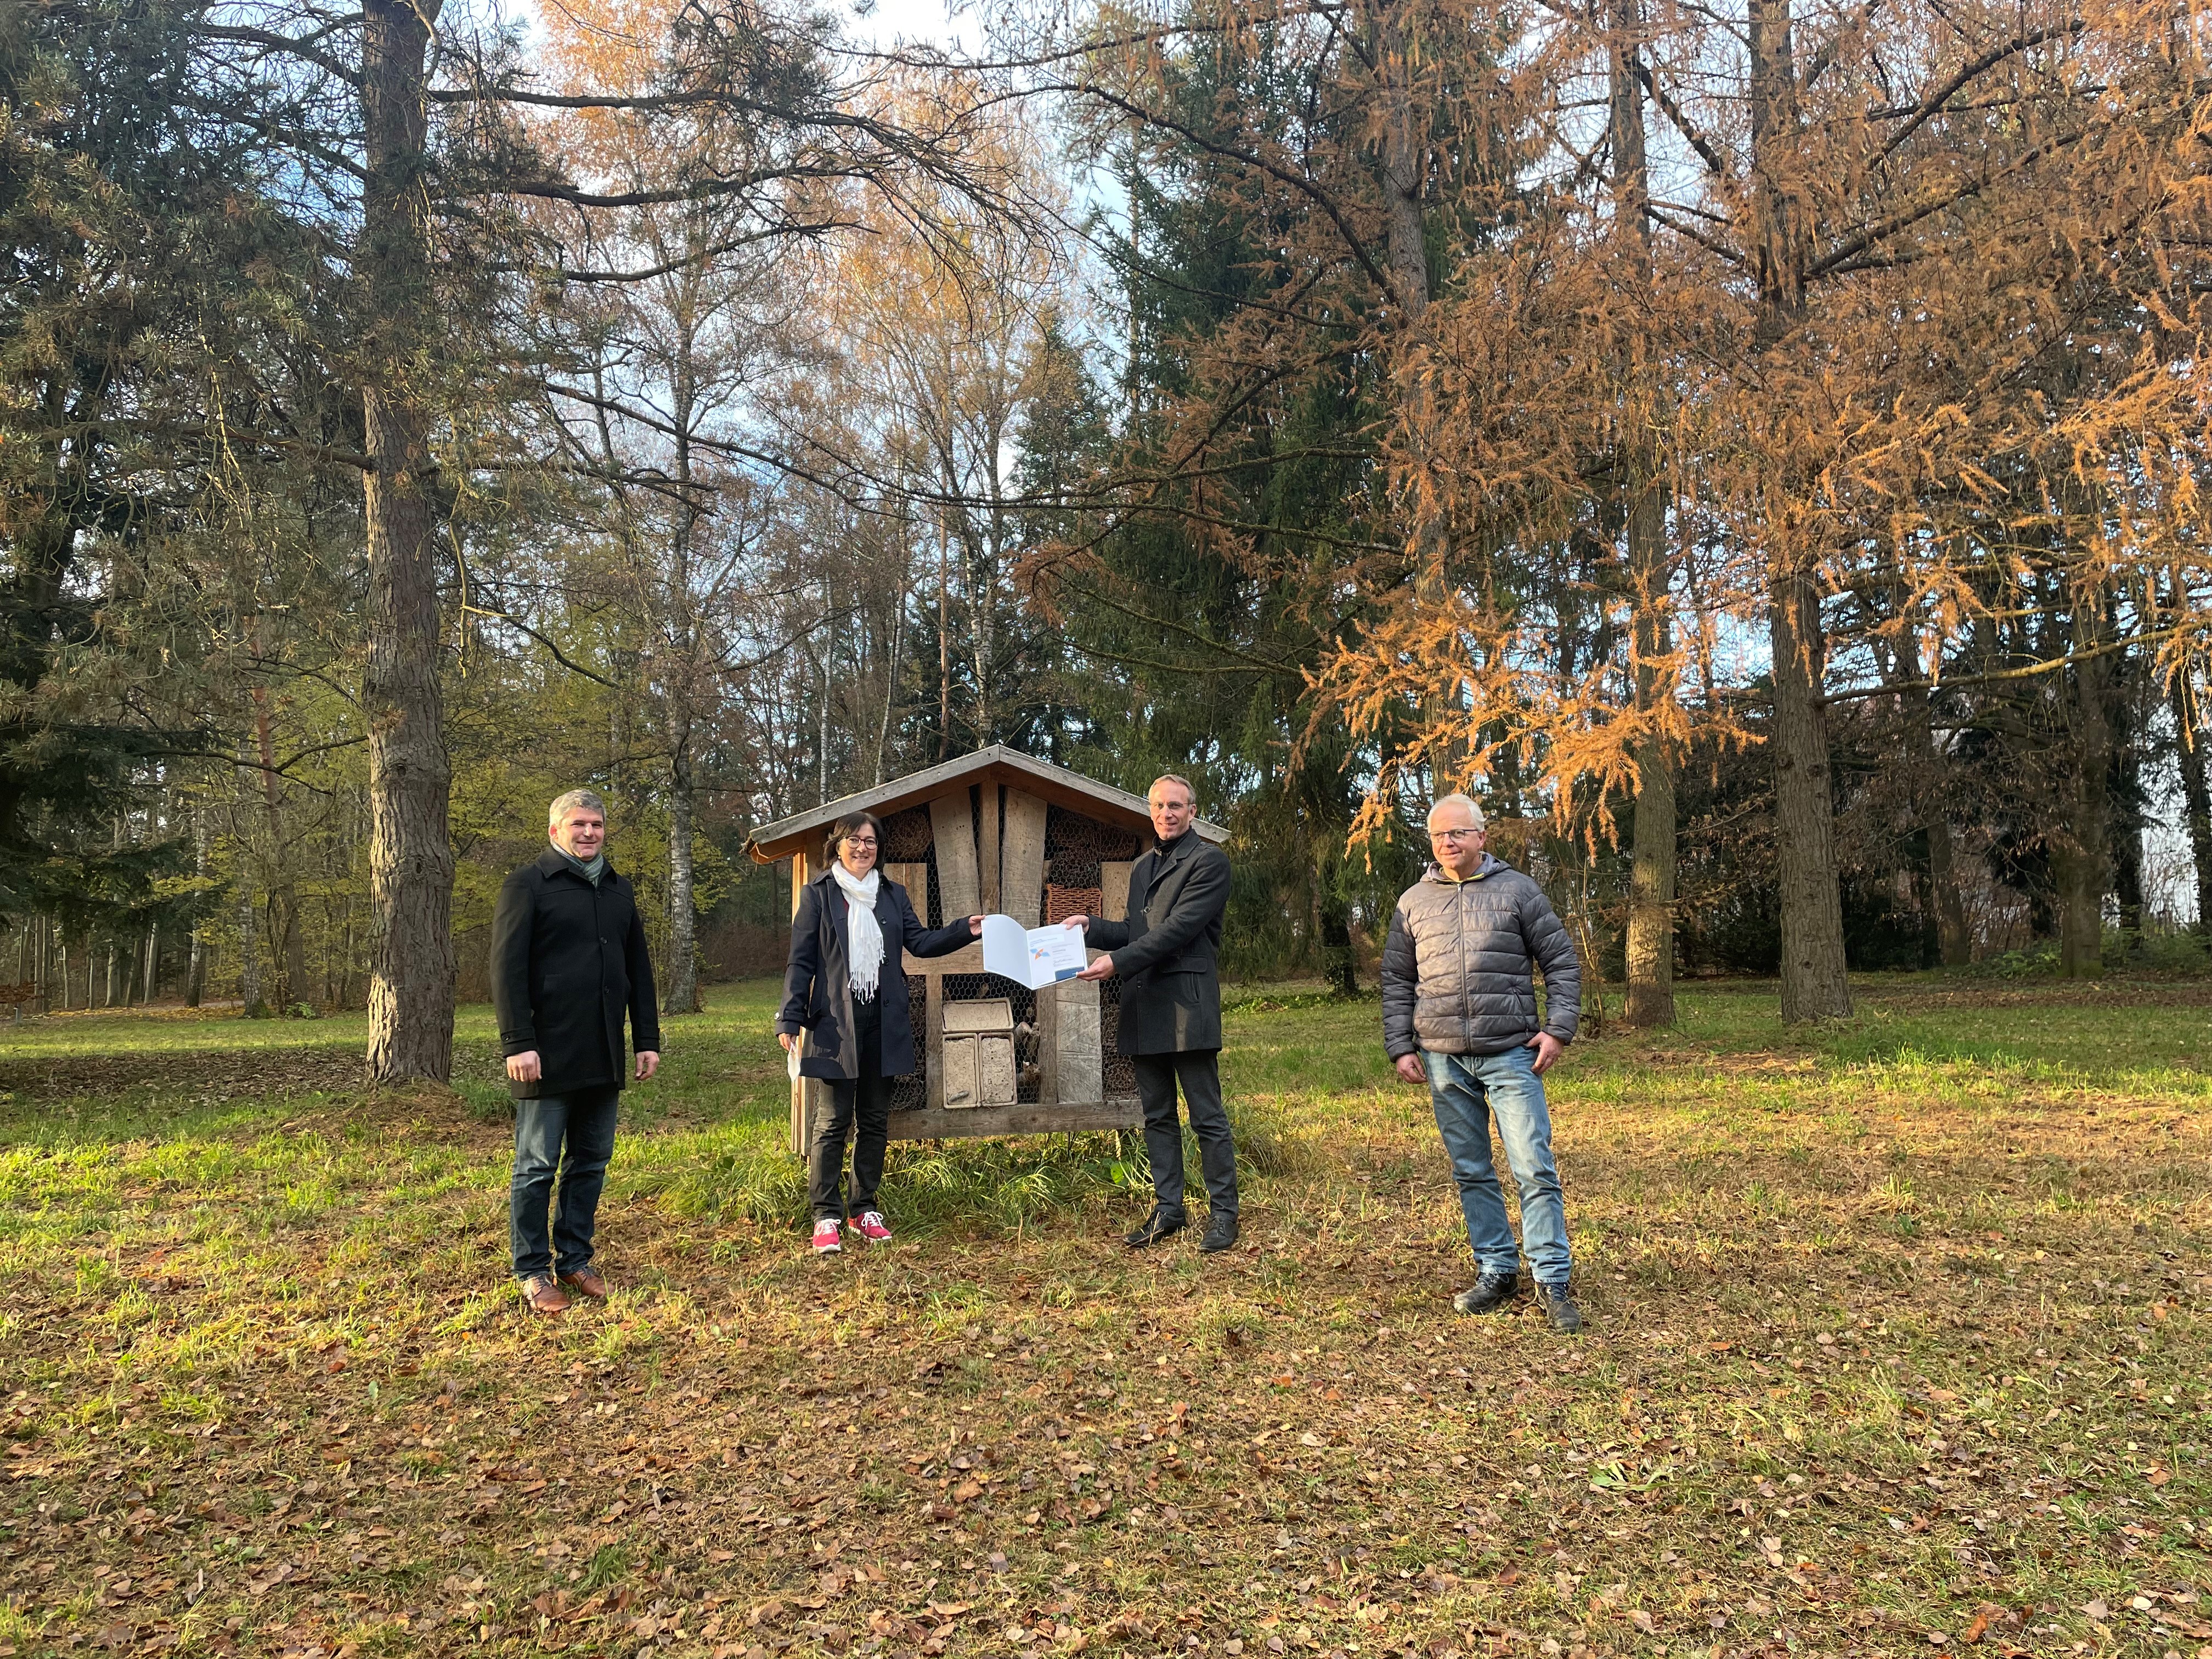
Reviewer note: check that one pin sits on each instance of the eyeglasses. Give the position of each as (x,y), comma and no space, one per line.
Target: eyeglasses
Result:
(1452,834)
(860,841)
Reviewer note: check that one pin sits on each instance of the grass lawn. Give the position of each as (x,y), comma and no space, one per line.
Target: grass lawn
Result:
(1896,1344)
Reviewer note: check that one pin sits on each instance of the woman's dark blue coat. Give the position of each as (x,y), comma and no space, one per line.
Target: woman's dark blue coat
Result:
(817,989)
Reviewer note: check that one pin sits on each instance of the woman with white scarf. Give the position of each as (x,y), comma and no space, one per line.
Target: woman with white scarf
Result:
(845,1014)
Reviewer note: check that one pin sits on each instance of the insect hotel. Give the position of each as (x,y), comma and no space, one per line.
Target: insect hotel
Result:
(993,832)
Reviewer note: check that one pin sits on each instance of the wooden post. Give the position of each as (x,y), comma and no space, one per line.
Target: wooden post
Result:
(952,833)
(1022,860)
(1114,889)
(932,1013)
(990,806)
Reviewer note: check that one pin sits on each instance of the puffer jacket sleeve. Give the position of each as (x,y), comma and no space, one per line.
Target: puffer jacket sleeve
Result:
(1554,952)
(1401,977)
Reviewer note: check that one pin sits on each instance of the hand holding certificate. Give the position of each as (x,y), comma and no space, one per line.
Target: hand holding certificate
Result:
(1034,957)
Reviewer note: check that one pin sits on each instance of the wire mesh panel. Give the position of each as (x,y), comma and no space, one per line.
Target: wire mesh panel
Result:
(911,1093)
(1074,844)
(908,840)
(1119,1074)
(1074,847)
(907,837)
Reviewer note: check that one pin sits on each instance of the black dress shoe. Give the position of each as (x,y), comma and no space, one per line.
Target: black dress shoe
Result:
(1566,1317)
(1159,1225)
(1220,1234)
(1490,1293)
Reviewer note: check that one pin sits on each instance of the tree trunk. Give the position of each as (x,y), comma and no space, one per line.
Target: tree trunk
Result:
(683,997)
(1340,961)
(410,994)
(2124,795)
(2196,793)
(1405,165)
(2080,843)
(944,649)
(1649,952)
(249,956)
(288,947)
(1814,984)
(1954,941)
(196,963)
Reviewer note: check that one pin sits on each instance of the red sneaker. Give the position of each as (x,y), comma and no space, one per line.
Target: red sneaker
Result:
(826,1241)
(871,1227)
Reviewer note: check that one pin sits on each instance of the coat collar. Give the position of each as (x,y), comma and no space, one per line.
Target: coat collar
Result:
(1177,849)
(553,862)
(828,883)
(1491,865)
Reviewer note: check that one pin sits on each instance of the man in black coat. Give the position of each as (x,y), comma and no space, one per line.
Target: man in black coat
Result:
(1167,953)
(568,959)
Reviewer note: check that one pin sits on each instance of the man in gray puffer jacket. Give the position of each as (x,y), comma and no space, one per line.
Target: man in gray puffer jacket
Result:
(1459,1013)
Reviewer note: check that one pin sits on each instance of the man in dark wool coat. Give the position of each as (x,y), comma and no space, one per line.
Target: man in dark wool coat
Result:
(1167,953)
(568,959)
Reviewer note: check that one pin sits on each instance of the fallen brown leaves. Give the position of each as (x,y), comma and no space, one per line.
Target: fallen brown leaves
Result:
(1843,1416)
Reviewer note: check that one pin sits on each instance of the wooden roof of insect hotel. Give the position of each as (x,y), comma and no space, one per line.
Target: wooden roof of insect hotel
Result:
(996,764)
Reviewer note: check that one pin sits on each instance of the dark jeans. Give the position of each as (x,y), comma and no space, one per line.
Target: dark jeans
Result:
(860,1109)
(584,1122)
(1200,1073)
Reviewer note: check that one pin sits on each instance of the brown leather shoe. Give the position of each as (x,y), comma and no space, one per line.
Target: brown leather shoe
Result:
(586,1281)
(544,1296)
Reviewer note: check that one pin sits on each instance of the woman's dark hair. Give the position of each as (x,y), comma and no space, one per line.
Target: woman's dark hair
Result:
(851,824)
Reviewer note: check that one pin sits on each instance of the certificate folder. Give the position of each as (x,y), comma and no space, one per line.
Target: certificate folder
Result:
(1034,957)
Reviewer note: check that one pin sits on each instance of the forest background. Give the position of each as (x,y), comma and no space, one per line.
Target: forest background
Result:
(1759,449)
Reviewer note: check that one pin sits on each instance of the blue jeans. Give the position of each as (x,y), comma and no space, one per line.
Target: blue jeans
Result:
(1468,1091)
(585,1122)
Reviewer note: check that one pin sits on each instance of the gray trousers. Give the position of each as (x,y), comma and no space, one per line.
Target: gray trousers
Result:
(1200,1073)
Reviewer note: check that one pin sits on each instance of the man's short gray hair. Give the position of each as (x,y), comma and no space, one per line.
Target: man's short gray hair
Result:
(1456,800)
(1189,790)
(563,804)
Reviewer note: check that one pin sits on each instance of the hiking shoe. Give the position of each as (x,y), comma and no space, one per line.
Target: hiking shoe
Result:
(1220,1234)
(1566,1317)
(826,1241)
(543,1294)
(1491,1292)
(871,1227)
(1159,1225)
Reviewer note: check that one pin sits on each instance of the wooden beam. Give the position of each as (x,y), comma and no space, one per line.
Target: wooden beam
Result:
(1056,784)
(1070,1062)
(914,877)
(1022,858)
(935,1123)
(969,959)
(952,832)
(932,1015)
(991,794)
(1114,889)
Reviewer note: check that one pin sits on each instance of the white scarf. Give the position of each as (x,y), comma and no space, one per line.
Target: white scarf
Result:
(865,937)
